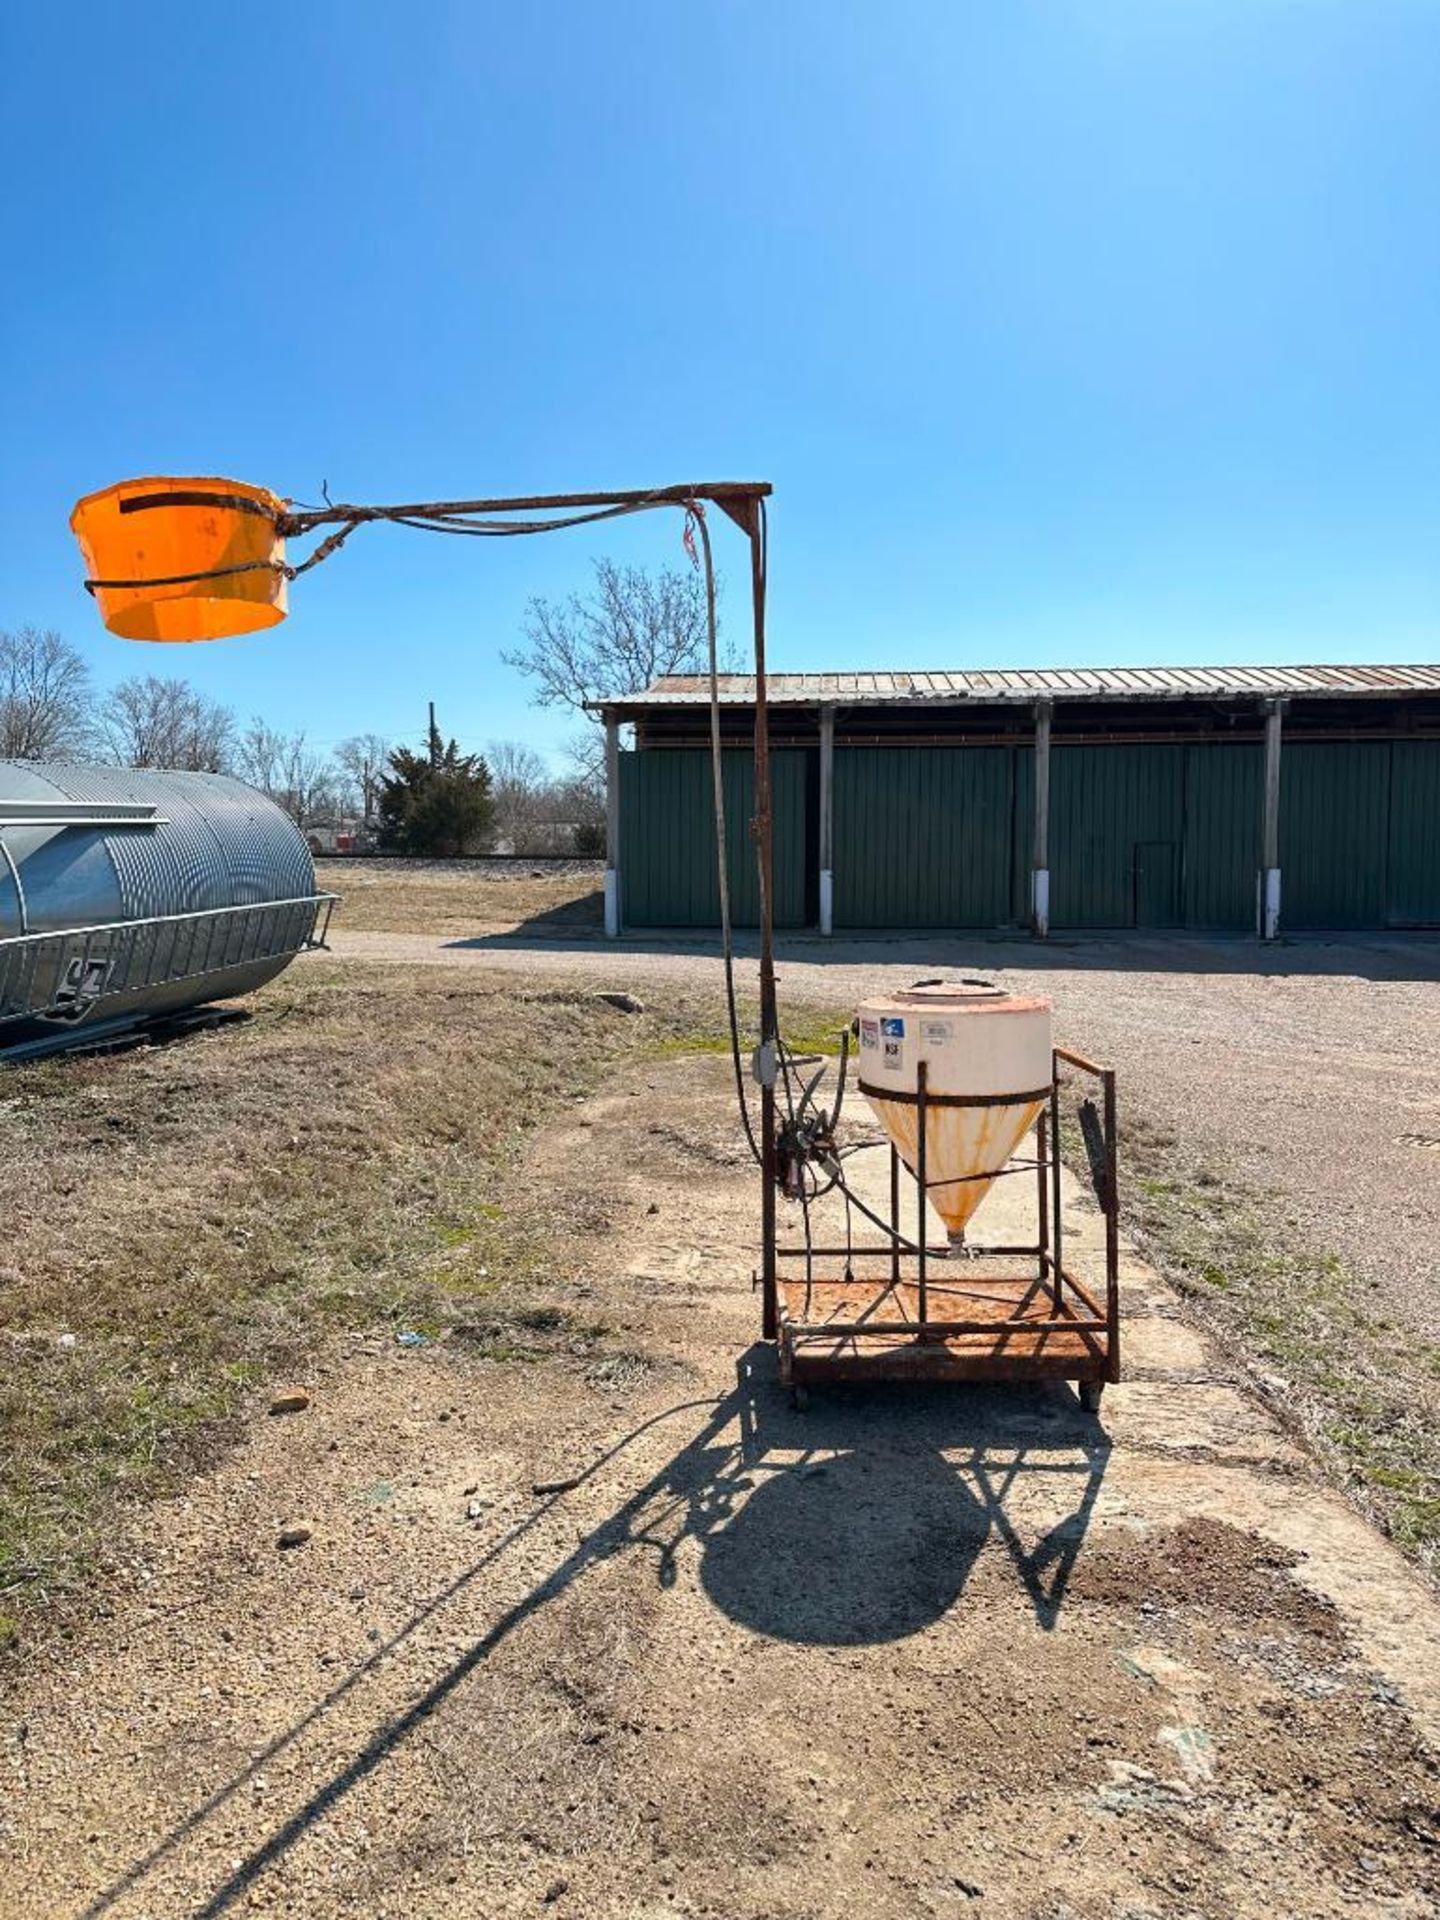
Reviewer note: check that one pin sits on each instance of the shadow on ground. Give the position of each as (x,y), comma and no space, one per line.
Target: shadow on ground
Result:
(856,1522)
(1380,956)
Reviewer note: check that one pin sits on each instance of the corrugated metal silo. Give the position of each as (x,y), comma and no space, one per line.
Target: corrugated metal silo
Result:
(131,893)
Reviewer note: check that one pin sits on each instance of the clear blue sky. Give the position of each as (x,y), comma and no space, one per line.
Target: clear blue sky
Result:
(1067,332)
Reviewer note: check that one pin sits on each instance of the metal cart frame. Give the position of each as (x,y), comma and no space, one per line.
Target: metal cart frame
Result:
(904,1309)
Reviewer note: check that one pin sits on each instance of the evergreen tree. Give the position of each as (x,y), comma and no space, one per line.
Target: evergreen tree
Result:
(437,802)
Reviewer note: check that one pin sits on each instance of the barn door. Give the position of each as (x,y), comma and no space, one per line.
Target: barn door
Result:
(1157,883)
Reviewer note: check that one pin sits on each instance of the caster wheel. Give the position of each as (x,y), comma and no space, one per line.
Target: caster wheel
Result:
(800,1398)
(1090,1393)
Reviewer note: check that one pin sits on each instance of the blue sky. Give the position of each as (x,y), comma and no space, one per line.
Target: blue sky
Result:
(1067,332)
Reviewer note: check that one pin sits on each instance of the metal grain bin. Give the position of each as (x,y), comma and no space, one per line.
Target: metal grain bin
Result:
(129,893)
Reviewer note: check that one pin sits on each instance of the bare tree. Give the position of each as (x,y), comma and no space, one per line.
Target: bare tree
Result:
(295,775)
(309,793)
(153,722)
(519,787)
(363,759)
(629,629)
(45,697)
(258,754)
(580,804)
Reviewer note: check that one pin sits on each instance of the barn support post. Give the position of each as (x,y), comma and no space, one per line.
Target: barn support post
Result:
(1269,888)
(1040,874)
(827,819)
(612,825)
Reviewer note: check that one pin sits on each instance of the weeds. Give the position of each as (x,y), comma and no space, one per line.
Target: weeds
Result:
(1364,1394)
(186,1224)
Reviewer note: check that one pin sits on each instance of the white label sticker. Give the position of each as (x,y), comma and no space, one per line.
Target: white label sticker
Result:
(935,1033)
(869,1033)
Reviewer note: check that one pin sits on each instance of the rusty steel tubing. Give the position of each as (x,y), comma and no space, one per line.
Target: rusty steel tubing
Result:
(936,1252)
(831,1330)
(1057,1258)
(1112,1224)
(922,1117)
(1073,1059)
(734,496)
(895,1216)
(764,853)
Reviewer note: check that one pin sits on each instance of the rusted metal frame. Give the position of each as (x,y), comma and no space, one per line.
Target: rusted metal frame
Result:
(884,1252)
(861,1322)
(922,1088)
(1051,1322)
(1110,1206)
(1073,1059)
(1042,1196)
(1084,1295)
(737,498)
(943,1364)
(1057,1256)
(1042,1329)
(1001,1287)
(894,1216)
(1112,1224)
(745,505)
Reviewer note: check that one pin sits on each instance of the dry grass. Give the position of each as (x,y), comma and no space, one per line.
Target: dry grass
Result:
(455,899)
(202,1217)
(1364,1392)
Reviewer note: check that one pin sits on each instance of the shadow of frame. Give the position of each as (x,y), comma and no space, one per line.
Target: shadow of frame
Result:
(856,1523)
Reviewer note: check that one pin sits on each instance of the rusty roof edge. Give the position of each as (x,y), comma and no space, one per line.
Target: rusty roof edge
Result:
(1026,684)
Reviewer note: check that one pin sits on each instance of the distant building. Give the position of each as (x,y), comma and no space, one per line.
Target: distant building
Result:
(1218,798)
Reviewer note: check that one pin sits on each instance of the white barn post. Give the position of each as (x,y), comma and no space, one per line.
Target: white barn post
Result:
(827,817)
(1040,875)
(612,825)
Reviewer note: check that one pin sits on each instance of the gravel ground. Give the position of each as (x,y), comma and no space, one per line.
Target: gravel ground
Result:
(618,1634)
(1312,1069)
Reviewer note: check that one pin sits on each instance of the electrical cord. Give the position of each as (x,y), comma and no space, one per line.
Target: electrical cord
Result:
(696,519)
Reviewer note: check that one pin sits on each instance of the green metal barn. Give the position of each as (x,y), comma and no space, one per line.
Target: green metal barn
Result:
(1249,799)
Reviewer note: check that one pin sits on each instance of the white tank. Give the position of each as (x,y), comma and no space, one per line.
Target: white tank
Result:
(987,1057)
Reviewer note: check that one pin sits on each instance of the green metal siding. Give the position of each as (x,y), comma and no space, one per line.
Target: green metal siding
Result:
(923,836)
(1154,835)
(1106,802)
(1414,877)
(1023,852)
(1334,833)
(667,838)
(1224,793)
(1148,835)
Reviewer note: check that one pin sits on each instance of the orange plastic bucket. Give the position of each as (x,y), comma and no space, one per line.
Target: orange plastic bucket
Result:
(166,532)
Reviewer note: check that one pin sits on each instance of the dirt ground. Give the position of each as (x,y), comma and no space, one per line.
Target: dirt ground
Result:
(1282,1109)
(628,1636)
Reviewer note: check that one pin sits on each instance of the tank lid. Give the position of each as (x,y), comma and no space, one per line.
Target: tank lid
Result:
(950,993)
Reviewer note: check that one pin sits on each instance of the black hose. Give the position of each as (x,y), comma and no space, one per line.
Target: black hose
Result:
(717,780)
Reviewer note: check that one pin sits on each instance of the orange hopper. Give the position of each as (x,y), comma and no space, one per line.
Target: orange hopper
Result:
(184,559)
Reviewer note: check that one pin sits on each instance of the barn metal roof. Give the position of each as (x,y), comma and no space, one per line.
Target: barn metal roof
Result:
(1058,683)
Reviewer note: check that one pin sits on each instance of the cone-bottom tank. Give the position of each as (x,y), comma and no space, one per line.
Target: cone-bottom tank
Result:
(988,1066)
